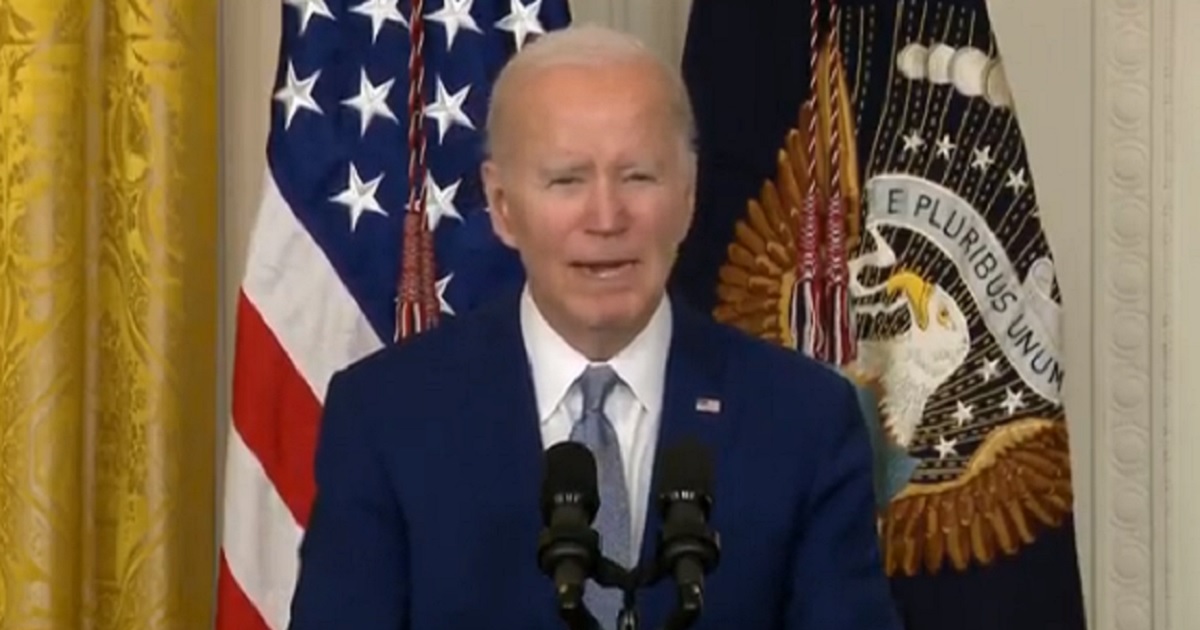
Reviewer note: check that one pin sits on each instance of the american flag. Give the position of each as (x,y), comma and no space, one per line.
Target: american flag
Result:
(372,226)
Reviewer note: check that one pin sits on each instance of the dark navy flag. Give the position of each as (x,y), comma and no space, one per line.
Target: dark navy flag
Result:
(895,235)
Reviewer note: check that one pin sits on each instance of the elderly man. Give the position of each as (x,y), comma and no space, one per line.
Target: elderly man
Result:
(430,458)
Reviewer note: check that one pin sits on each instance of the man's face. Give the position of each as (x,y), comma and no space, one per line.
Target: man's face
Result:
(595,188)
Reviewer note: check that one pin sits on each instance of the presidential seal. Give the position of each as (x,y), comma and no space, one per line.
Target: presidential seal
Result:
(922,273)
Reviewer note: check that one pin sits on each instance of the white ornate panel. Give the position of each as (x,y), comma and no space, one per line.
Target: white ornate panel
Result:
(1129,205)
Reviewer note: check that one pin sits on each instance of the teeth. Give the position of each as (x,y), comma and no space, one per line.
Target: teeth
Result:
(604,270)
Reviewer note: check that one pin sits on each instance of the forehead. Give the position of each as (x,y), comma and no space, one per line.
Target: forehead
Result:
(607,103)
(618,88)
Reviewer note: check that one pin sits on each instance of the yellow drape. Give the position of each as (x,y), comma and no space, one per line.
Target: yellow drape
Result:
(108,232)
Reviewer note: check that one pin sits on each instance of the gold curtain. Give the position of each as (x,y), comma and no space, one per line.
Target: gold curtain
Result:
(108,289)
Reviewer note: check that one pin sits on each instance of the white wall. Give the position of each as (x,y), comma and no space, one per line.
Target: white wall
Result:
(1109,102)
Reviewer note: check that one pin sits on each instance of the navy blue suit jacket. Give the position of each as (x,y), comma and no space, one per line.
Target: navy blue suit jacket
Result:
(429,467)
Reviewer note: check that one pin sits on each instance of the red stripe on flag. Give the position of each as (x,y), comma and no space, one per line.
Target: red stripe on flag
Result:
(275,410)
(234,610)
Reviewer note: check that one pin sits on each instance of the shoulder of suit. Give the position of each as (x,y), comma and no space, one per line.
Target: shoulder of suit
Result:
(772,362)
(429,353)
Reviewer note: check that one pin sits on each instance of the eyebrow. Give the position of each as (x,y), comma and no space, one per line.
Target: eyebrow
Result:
(582,166)
(573,167)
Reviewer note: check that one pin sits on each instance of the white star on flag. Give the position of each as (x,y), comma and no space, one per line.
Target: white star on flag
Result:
(359,197)
(1016,180)
(380,12)
(446,109)
(440,203)
(297,94)
(945,147)
(371,101)
(963,413)
(989,370)
(983,158)
(522,21)
(309,8)
(946,448)
(1012,401)
(455,15)
(441,294)
(913,141)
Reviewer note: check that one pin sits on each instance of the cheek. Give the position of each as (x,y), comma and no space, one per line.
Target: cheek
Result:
(670,227)
(539,236)
(665,208)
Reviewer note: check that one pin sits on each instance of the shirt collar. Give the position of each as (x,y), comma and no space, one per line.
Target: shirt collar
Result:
(555,364)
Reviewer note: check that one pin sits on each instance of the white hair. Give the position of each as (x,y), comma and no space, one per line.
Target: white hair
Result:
(587,44)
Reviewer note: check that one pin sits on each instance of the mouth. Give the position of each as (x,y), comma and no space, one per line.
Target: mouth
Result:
(604,269)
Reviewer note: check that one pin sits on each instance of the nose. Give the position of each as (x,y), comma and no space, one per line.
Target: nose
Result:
(607,213)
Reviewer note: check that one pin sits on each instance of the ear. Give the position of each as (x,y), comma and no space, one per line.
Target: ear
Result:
(497,200)
(689,210)
(691,202)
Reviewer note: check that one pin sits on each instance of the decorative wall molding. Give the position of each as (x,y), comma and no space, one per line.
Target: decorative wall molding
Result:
(1182,385)
(1132,41)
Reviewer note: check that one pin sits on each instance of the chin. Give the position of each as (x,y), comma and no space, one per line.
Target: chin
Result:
(614,311)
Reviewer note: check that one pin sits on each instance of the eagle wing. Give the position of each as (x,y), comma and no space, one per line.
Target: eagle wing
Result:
(1018,481)
(755,283)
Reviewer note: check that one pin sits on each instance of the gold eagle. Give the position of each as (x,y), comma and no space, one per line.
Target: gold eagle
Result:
(1017,481)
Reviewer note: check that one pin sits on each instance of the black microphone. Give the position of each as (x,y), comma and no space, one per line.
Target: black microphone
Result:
(568,547)
(688,549)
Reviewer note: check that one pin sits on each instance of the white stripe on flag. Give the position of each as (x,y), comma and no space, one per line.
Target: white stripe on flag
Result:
(301,297)
(261,541)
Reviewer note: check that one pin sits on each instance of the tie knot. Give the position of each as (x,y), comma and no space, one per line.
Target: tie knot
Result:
(596,382)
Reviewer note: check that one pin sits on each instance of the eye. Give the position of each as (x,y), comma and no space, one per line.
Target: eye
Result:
(640,177)
(944,316)
(565,180)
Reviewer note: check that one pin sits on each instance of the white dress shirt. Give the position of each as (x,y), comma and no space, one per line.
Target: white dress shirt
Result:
(634,407)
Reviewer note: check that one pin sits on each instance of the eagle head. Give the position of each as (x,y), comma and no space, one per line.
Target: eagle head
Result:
(938,320)
(914,364)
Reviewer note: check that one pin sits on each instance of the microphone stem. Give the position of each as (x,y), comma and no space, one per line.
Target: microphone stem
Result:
(680,620)
(687,611)
(580,619)
(627,619)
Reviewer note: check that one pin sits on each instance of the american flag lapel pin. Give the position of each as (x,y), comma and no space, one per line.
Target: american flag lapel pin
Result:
(708,405)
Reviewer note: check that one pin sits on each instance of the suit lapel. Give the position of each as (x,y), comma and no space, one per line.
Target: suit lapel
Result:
(695,406)
(501,410)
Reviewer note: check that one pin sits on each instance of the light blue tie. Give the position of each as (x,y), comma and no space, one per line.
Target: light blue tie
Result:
(612,521)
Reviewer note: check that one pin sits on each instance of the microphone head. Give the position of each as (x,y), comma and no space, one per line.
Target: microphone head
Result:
(569,479)
(686,474)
